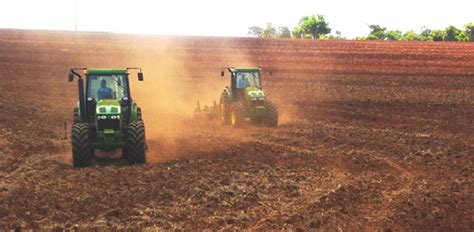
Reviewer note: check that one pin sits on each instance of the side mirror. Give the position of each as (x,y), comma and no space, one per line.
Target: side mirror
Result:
(70,77)
(222,73)
(140,76)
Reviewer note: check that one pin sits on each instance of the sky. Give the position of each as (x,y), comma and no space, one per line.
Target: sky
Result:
(230,18)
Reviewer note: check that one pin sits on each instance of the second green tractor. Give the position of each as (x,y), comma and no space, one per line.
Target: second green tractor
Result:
(245,99)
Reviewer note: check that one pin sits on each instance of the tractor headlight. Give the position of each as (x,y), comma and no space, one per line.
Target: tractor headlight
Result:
(115,117)
(101,117)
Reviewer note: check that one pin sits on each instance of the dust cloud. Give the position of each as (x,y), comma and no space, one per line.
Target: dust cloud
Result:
(168,96)
(173,85)
(175,79)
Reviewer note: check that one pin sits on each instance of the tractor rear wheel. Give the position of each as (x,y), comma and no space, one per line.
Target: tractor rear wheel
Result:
(256,120)
(271,114)
(135,143)
(237,114)
(81,147)
(224,110)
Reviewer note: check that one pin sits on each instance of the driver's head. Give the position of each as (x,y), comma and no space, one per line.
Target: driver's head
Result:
(103,83)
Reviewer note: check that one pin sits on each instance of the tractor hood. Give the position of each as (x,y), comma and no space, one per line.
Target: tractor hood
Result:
(254,92)
(108,106)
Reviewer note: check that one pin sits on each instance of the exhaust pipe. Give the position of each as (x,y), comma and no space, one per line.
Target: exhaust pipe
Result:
(82,100)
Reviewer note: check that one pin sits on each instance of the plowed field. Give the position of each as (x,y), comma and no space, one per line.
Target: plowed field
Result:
(372,136)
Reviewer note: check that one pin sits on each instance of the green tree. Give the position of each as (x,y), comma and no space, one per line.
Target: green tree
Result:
(377,32)
(438,35)
(426,34)
(255,31)
(470,31)
(269,31)
(412,36)
(284,32)
(313,25)
(372,37)
(452,33)
(298,32)
(393,35)
(462,37)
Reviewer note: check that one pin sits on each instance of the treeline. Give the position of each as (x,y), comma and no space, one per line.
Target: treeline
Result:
(316,27)
(269,32)
(450,33)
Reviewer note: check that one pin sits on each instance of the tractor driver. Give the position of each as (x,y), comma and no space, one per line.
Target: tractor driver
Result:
(104,91)
(243,81)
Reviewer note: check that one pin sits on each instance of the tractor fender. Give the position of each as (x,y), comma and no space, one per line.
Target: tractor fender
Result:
(136,112)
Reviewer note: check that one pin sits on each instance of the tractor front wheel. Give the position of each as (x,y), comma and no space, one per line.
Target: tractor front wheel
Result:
(81,147)
(136,143)
(271,114)
(237,115)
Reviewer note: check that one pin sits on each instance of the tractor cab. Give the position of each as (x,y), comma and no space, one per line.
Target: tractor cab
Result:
(246,84)
(111,86)
(107,91)
(246,79)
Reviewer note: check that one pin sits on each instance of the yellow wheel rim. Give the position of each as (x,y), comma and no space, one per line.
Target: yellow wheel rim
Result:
(232,117)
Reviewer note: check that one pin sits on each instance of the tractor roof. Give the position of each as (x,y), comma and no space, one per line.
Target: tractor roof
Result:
(109,71)
(244,69)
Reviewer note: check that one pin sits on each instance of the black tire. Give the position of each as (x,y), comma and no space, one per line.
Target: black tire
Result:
(238,114)
(135,143)
(81,147)
(224,110)
(271,114)
(256,120)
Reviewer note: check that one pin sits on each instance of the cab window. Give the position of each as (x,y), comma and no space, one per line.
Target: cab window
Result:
(247,79)
(107,87)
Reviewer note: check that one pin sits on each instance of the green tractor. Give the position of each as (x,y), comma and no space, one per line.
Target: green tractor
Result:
(106,118)
(245,99)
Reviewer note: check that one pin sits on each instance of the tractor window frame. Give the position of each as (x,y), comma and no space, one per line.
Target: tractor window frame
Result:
(92,94)
(255,83)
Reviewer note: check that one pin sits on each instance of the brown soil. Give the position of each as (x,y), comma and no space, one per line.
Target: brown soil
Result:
(373,136)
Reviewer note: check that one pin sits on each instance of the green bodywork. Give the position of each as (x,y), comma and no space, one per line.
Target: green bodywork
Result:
(109,138)
(108,107)
(246,69)
(255,94)
(111,71)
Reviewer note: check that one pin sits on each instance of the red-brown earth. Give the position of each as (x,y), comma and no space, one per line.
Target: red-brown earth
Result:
(372,136)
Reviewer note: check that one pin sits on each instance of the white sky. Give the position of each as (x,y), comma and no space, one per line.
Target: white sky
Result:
(230,18)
